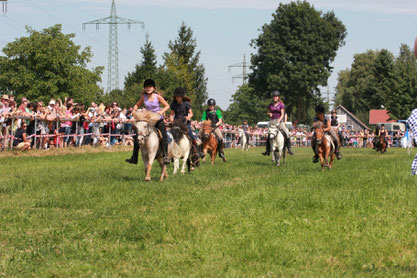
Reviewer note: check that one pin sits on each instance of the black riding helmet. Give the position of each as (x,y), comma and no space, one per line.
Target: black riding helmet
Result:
(275,94)
(211,102)
(179,92)
(320,109)
(149,82)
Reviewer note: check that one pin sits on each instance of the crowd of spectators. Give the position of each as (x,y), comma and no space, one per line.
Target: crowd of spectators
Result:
(60,124)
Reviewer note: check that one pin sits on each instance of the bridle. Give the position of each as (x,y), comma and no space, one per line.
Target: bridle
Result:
(142,136)
(207,135)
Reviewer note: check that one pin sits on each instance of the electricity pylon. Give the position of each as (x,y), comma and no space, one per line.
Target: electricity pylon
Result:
(4,6)
(243,65)
(113,60)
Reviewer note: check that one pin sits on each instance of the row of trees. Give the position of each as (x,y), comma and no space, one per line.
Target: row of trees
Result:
(377,79)
(294,53)
(48,64)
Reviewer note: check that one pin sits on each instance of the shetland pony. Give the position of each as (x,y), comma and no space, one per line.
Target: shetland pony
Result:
(209,141)
(244,144)
(325,146)
(277,142)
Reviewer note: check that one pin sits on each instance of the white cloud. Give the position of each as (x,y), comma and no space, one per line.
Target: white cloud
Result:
(380,6)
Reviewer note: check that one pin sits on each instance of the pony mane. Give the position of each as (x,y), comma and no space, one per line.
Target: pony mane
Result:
(207,122)
(178,129)
(317,125)
(273,123)
(146,116)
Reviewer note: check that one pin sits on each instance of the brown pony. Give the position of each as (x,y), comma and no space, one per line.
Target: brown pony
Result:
(209,141)
(381,144)
(325,146)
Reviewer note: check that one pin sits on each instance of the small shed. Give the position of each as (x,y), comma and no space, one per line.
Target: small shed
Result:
(349,120)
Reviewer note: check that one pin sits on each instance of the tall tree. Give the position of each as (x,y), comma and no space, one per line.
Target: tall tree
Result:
(294,53)
(245,105)
(402,97)
(352,90)
(48,64)
(184,59)
(147,68)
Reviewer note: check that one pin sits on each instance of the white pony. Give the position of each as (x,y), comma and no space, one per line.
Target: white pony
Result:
(276,140)
(148,140)
(180,147)
(244,144)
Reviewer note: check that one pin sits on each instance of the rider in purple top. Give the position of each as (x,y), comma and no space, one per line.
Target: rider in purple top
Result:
(276,111)
(152,101)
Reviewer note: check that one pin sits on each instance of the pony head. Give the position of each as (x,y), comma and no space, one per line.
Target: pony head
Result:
(178,129)
(318,131)
(143,129)
(207,129)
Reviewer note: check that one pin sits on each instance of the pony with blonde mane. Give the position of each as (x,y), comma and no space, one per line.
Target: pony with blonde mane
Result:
(149,141)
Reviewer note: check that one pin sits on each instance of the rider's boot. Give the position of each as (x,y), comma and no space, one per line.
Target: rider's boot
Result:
(166,159)
(288,144)
(268,147)
(337,153)
(197,149)
(220,149)
(134,158)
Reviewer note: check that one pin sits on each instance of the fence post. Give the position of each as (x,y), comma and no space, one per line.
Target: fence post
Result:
(12,136)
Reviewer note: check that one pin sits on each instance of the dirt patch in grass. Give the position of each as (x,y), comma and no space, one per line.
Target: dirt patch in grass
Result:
(66,151)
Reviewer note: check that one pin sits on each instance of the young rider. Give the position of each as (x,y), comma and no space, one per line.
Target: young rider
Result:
(320,117)
(152,101)
(335,124)
(276,110)
(383,132)
(216,118)
(181,110)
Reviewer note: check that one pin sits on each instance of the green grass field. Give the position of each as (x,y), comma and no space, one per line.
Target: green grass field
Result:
(92,215)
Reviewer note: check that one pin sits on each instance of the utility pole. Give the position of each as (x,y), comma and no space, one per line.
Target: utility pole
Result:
(4,6)
(113,60)
(244,74)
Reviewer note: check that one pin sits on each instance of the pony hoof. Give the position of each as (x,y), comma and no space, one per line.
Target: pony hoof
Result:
(147,179)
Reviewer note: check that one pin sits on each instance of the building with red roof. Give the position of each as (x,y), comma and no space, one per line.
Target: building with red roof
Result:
(379,116)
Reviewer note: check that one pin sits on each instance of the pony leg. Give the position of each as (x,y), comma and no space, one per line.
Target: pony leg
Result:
(213,156)
(148,171)
(205,154)
(184,161)
(321,161)
(176,165)
(163,169)
(331,161)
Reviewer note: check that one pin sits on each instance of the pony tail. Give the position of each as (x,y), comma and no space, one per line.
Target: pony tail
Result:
(187,99)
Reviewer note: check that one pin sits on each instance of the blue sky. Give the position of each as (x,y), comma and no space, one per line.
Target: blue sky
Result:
(223,29)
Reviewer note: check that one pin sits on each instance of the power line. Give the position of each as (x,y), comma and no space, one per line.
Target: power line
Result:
(243,65)
(14,27)
(101,44)
(113,56)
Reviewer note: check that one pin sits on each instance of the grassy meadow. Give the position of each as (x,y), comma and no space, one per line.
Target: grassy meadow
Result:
(92,215)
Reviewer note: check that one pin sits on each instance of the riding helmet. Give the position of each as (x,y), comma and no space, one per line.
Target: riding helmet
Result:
(179,92)
(320,108)
(275,94)
(149,82)
(211,102)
